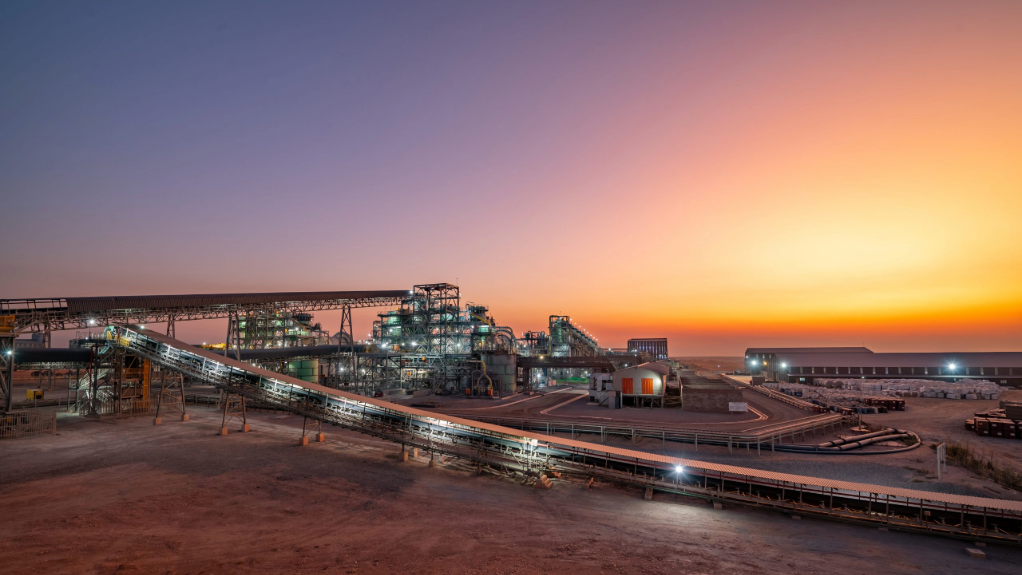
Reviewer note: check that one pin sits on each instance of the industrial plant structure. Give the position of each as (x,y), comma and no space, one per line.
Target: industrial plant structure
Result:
(429,342)
(804,365)
(654,346)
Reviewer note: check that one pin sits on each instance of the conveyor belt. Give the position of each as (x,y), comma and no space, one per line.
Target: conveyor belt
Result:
(908,509)
(40,314)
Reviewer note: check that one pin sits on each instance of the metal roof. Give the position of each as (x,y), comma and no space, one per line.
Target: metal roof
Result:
(289,352)
(109,303)
(51,355)
(650,365)
(776,350)
(940,359)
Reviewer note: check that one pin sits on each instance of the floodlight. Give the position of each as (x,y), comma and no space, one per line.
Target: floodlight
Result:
(678,469)
(951,366)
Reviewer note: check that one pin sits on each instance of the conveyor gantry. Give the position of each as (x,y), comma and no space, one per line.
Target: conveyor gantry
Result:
(905,509)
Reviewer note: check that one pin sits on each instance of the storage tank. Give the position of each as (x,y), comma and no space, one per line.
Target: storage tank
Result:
(305,370)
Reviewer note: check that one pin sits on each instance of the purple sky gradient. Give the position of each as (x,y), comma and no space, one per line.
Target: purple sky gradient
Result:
(528,151)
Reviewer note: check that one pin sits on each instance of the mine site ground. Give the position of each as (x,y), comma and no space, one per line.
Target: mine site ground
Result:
(125,496)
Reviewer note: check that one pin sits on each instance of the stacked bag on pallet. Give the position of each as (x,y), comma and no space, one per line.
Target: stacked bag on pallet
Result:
(962,389)
(1005,421)
(883,393)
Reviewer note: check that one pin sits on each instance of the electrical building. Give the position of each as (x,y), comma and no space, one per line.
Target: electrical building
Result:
(639,385)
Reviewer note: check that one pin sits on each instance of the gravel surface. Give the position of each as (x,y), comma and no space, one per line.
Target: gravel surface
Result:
(128,497)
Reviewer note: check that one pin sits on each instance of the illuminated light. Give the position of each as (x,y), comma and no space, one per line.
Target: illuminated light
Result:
(784,366)
(753,362)
(679,468)
(141,326)
(951,366)
(9,352)
(92,322)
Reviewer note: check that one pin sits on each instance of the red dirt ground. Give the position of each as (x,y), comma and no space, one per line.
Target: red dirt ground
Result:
(128,497)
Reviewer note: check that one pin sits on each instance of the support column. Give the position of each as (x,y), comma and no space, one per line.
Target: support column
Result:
(6,369)
(233,408)
(346,362)
(320,436)
(67,407)
(119,357)
(233,328)
(168,400)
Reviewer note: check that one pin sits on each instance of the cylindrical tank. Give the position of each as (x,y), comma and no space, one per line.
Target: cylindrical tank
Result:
(305,370)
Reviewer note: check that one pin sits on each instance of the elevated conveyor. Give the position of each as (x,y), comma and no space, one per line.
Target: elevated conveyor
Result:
(54,314)
(529,452)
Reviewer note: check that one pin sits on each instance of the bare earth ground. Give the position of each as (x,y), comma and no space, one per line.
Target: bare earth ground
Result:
(555,405)
(127,497)
(729,363)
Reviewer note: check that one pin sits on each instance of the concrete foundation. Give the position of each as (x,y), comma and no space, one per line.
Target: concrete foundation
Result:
(246,428)
(184,417)
(304,440)
(223,431)
(158,421)
(320,437)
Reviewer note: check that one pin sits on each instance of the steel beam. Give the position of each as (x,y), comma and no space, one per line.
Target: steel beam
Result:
(6,371)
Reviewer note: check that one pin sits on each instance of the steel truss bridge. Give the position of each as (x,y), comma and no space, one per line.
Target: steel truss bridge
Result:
(54,314)
(528,452)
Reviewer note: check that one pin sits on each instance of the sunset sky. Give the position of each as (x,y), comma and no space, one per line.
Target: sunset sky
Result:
(724,174)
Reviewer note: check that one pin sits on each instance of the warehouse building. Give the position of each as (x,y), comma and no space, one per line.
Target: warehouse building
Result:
(656,347)
(761,359)
(804,365)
